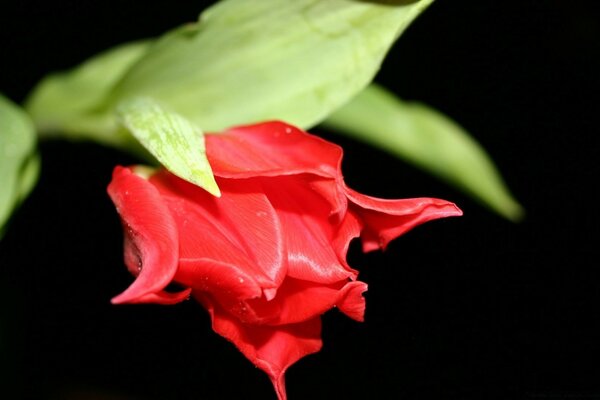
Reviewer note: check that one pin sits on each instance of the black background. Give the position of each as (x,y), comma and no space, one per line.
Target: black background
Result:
(470,307)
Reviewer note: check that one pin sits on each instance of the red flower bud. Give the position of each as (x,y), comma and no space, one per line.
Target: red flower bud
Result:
(268,257)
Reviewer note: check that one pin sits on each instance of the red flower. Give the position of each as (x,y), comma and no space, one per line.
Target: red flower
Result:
(268,257)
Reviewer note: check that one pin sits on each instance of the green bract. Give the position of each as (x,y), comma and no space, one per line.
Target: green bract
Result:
(427,139)
(72,103)
(19,161)
(244,61)
(177,143)
(247,61)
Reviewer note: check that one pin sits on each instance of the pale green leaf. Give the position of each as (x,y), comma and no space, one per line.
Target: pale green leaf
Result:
(73,103)
(427,139)
(176,142)
(248,61)
(19,162)
(243,61)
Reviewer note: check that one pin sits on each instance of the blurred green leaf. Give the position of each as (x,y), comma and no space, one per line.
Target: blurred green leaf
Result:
(71,103)
(19,161)
(427,139)
(247,61)
(244,61)
(177,143)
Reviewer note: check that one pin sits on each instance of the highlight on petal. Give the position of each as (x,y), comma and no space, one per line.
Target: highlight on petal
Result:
(308,231)
(272,349)
(352,302)
(271,149)
(385,220)
(152,240)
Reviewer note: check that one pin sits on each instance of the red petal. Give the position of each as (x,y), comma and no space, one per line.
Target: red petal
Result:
(299,301)
(271,149)
(349,228)
(164,298)
(332,191)
(216,277)
(352,302)
(309,233)
(151,235)
(385,220)
(232,243)
(272,349)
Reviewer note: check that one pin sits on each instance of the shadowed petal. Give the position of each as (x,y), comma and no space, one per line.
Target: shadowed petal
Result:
(308,231)
(349,228)
(151,244)
(212,276)
(299,301)
(272,349)
(332,191)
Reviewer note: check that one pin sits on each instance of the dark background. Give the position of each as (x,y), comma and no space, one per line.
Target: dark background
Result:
(466,308)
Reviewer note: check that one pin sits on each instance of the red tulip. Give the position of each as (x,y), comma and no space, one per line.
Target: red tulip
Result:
(268,257)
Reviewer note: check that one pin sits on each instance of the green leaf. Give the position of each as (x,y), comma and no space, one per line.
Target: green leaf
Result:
(244,61)
(176,142)
(73,103)
(427,139)
(248,61)
(19,161)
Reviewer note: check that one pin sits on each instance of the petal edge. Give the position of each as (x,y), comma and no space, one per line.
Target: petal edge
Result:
(151,235)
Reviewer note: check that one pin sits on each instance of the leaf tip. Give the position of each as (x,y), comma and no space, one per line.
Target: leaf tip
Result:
(513,211)
(210,185)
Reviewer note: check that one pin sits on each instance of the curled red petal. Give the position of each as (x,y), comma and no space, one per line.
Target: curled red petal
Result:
(271,149)
(237,236)
(332,191)
(299,301)
(151,235)
(352,302)
(348,229)
(384,220)
(308,231)
(272,349)
(165,298)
